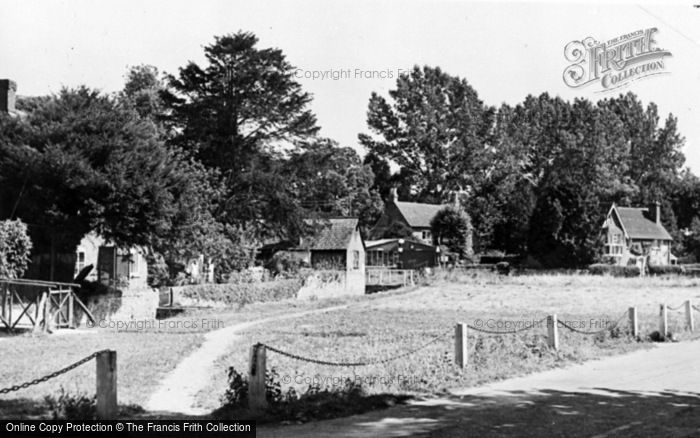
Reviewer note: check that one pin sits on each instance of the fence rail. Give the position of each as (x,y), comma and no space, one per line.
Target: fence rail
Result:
(389,277)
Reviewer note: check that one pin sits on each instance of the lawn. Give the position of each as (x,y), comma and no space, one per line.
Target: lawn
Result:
(385,328)
(370,328)
(146,353)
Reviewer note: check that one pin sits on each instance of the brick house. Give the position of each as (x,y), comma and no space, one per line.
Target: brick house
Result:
(413,214)
(633,233)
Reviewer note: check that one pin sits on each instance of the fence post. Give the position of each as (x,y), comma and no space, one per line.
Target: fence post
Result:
(634,323)
(663,322)
(689,315)
(71,304)
(552,332)
(256,378)
(461,353)
(107,408)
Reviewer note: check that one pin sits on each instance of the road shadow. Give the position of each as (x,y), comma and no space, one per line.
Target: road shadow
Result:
(598,413)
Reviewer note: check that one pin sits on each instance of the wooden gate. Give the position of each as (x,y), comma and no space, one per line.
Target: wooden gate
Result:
(39,305)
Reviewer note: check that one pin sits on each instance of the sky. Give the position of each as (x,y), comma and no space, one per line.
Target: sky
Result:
(505,50)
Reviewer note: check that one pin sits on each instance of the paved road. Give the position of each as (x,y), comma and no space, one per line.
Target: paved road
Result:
(645,393)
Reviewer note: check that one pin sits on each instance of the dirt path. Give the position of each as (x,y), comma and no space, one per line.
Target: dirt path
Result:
(176,393)
(645,393)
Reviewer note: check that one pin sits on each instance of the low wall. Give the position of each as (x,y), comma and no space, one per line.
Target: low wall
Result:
(123,305)
(330,284)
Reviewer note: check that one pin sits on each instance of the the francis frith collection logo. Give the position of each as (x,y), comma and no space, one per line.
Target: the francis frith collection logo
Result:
(614,63)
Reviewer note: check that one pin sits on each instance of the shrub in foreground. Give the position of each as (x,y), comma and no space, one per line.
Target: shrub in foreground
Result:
(72,407)
(315,403)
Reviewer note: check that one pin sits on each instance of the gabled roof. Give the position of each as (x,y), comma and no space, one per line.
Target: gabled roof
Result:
(418,215)
(335,234)
(393,243)
(637,225)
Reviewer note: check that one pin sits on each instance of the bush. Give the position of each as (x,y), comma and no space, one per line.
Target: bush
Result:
(614,270)
(15,246)
(243,293)
(315,403)
(284,264)
(665,270)
(72,407)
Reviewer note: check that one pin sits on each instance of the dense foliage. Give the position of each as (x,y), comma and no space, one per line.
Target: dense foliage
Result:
(224,156)
(539,176)
(452,227)
(15,247)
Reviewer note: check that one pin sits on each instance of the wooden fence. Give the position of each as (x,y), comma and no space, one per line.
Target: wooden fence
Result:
(389,277)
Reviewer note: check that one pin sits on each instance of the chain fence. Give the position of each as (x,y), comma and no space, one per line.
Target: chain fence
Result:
(354,364)
(534,324)
(673,309)
(593,332)
(50,376)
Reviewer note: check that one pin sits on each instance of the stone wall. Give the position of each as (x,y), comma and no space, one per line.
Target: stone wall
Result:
(123,305)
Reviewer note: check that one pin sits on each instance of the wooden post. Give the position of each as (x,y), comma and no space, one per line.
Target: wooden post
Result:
(107,408)
(11,304)
(172,300)
(634,323)
(5,288)
(71,316)
(461,353)
(690,323)
(663,322)
(552,332)
(256,378)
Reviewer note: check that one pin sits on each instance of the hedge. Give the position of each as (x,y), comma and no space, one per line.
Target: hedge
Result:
(614,270)
(667,269)
(242,293)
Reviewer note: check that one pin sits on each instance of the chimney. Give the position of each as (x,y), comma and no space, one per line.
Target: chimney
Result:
(657,214)
(654,212)
(393,195)
(7,96)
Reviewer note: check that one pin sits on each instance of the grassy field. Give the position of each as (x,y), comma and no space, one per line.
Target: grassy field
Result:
(145,354)
(390,327)
(373,327)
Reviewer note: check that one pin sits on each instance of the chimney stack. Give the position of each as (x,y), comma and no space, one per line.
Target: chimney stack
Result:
(657,205)
(393,195)
(8,89)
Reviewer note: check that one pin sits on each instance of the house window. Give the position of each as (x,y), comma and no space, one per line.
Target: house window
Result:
(614,245)
(81,261)
(426,235)
(356,260)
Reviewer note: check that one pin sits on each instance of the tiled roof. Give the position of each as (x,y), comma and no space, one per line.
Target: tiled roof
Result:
(335,234)
(638,226)
(418,215)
